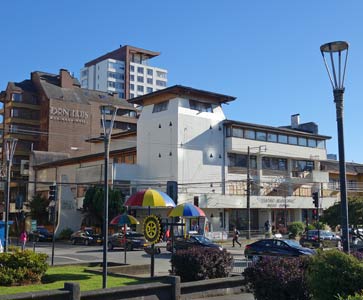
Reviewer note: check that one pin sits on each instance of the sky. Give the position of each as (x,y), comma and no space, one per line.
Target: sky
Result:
(266,53)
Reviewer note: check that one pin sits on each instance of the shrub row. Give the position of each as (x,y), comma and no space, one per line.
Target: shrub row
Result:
(22,267)
(199,263)
(326,276)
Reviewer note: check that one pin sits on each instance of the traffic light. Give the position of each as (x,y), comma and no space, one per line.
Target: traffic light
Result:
(315,196)
(52,192)
(315,214)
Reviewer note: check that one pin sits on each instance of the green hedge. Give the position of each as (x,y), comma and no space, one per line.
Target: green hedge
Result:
(198,263)
(332,273)
(22,267)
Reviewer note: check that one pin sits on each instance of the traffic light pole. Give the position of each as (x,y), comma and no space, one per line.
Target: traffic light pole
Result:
(53,197)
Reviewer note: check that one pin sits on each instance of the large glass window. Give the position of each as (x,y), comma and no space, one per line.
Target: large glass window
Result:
(149,81)
(237,132)
(160,106)
(272,137)
(240,160)
(302,165)
(150,72)
(261,136)
(250,134)
(303,141)
(292,140)
(140,70)
(132,77)
(321,144)
(312,143)
(200,106)
(274,163)
(161,74)
(282,139)
(16,97)
(140,79)
(149,90)
(140,88)
(160,83)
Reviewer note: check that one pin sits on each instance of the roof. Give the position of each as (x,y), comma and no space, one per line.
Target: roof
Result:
(25,85)
(332,166)
(120,54)
(180,90)
(276,129)
(52,89)
(117,135)
(80,159)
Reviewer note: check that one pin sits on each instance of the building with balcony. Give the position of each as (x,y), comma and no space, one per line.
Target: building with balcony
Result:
(125,71)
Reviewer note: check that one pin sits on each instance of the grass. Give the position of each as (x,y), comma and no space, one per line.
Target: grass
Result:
(56,276)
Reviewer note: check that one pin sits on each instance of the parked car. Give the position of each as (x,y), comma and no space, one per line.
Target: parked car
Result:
(85,237)
(133,240)
(181,242)
(276,247)
(327,239)
(41,234)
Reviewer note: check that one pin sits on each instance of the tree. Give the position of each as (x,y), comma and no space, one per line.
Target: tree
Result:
(332,215)
(93,205)
(38,207)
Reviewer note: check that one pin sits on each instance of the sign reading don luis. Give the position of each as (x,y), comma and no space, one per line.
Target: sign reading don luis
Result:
(68,115)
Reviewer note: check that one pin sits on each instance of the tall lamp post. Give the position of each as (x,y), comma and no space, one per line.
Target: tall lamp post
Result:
(338,55)
(108,117)
(10,145)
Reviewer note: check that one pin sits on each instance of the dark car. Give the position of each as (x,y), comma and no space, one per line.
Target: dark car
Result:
(133,240)
(85,237)
(327,239)
(181,242)
(276,247)
(41,234)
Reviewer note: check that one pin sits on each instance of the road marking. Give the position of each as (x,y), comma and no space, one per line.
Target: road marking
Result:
(70,258)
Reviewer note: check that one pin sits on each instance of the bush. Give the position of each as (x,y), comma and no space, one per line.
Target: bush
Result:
(65,234)
(22,267)
(296,228)
(199,263)
(278,278)
(357,296)
(332,273)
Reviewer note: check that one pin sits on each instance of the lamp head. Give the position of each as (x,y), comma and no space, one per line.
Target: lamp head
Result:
(337,46)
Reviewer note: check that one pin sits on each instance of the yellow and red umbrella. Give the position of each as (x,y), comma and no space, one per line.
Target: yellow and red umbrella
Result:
(150,198)
(186,210)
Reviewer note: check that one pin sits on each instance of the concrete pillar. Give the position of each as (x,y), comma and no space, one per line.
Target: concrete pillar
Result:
(74,290)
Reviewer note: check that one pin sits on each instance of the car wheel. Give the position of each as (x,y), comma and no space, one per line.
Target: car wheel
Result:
(86,242)
(73,241)
(109,246)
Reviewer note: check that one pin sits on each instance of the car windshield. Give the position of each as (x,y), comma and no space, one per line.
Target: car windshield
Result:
(202,239)
(292,243)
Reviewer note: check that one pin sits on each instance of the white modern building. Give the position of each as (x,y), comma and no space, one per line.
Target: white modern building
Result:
(184,136)
(125,71)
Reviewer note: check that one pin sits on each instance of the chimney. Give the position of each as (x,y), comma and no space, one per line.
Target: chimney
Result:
(295,121)
(66,80)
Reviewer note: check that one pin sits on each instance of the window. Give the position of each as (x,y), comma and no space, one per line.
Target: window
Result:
(149,90)
(160,74)
(149,80)
(274,163)
(140,70)
(303,141)
(237,132)
(132,78)
(140,79)
(321,144)
(261,136)
(16,97)
(160,83)
(140,88)
(24,114)
(132,87)
(84,73)
(292,140)
(160,106)
(240,160)
(121,95)
(250,134)
(132,69)
(302,165)
(120,125)
(115,65)
(119,85)
(282,139)
(150,72)
(272,137)
(312,143)
(132,95)
(126,113)
(200,106)
(84,83)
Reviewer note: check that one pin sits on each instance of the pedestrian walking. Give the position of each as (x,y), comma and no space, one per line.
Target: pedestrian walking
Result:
(235,237)
(23,239)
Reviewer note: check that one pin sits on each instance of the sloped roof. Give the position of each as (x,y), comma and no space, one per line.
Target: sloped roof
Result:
(332,166)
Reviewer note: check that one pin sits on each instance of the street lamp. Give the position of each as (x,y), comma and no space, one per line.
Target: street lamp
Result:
(338,53)
(10,145)
(108,113)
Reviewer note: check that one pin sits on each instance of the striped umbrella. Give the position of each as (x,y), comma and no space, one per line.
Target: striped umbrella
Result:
(150,198)
(124,219)
(186,210)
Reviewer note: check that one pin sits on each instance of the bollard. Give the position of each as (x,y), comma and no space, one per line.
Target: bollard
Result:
(74,290)
(33,246)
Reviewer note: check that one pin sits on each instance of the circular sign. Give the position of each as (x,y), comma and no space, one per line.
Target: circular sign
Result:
(152,229)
